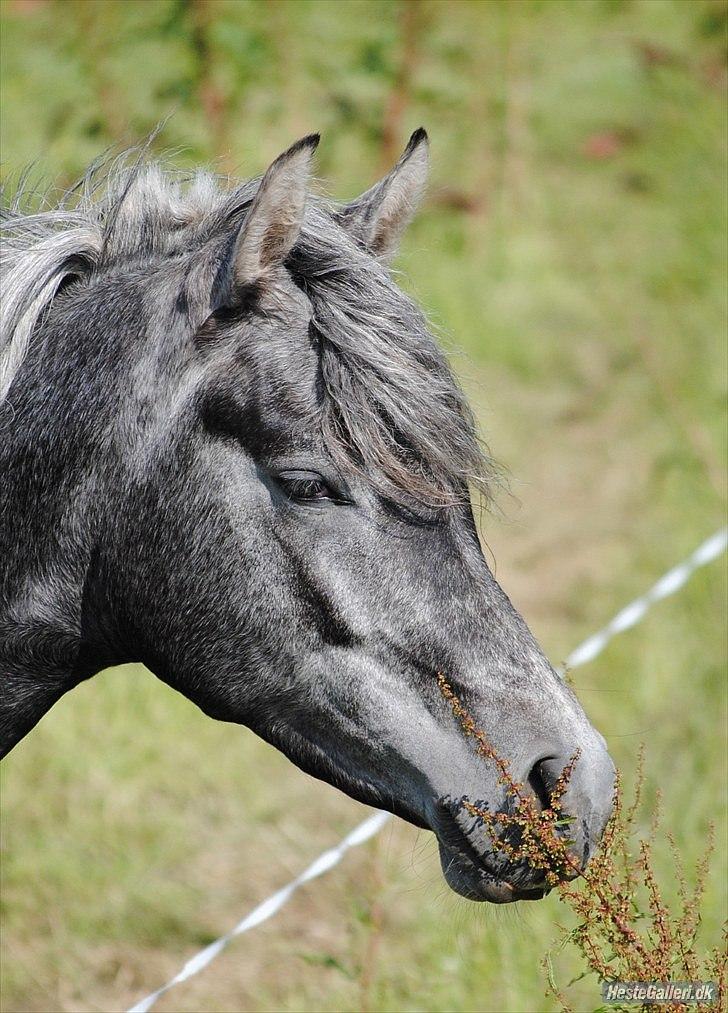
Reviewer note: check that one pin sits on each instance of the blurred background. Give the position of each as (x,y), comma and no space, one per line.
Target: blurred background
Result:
(572,255)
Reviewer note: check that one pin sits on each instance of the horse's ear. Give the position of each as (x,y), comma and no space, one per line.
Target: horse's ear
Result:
(378,218)
(274,220)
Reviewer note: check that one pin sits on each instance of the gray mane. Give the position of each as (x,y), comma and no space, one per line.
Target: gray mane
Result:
(391,404)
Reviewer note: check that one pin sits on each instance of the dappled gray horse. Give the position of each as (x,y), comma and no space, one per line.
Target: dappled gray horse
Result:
(232,451)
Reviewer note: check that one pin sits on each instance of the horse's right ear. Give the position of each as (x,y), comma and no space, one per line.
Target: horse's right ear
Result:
(379,217)
(273,222)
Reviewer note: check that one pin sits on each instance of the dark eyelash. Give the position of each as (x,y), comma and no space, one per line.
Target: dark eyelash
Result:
(307,488)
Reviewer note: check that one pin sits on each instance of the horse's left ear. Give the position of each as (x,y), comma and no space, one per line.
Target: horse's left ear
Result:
(275,217)
(378,218)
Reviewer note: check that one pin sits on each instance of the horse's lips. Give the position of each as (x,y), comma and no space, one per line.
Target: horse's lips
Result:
(469,872)
(475,881)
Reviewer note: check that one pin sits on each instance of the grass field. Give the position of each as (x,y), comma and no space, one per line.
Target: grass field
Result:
(572,253)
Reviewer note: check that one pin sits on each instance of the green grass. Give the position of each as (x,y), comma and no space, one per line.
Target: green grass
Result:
(588,295)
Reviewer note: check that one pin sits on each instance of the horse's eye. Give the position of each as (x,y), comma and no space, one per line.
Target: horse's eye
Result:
(306,486)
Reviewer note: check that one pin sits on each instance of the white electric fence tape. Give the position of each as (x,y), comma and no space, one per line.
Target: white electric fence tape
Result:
(265,910)
(631,614)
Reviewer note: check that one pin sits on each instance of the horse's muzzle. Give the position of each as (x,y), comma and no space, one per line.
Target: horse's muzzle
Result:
(472,862)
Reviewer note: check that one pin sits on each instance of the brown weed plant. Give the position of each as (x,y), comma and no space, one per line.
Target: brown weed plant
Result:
(625,930)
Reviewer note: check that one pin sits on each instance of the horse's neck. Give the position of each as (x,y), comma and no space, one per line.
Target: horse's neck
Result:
(43,546)
(23,702)
(40,639)
(39,646)
(53,448)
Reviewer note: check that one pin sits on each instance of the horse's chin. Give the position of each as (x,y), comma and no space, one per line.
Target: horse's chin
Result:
(475,882)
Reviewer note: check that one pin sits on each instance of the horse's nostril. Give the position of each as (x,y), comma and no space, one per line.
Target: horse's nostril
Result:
(541,783)
(585,787)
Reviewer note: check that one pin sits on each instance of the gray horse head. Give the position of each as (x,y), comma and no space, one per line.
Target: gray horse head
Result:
(233,451)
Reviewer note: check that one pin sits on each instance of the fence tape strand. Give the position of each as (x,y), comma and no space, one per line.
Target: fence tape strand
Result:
(631,614)
(627,617)
(265,910)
